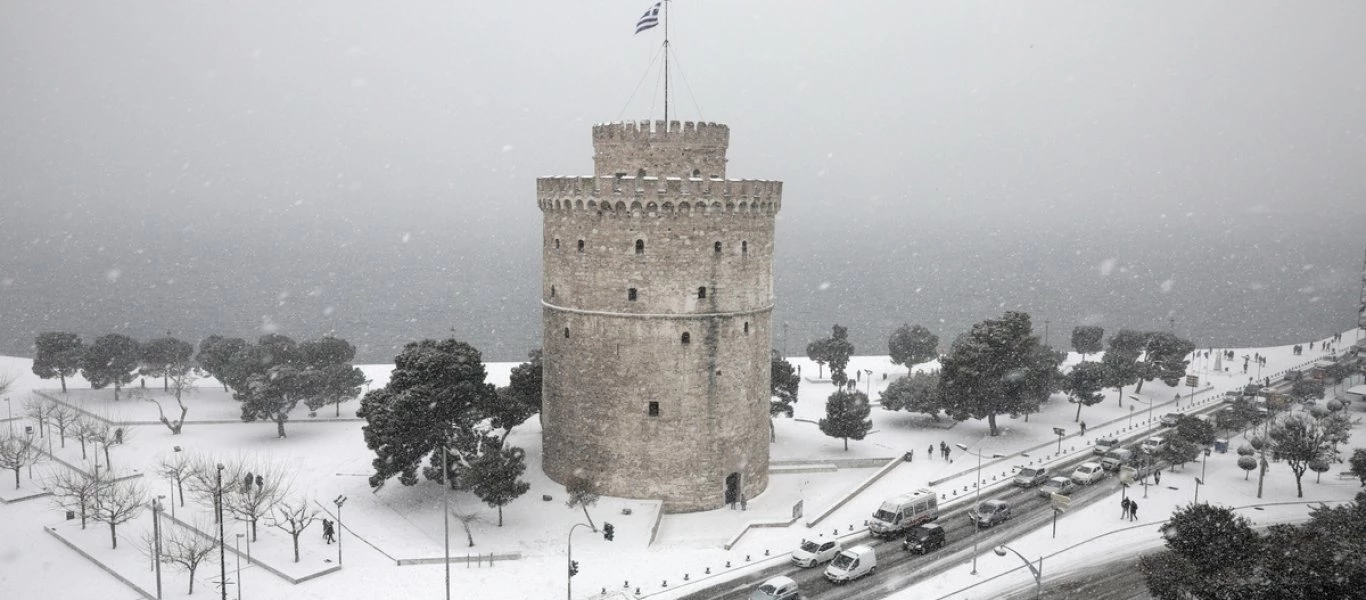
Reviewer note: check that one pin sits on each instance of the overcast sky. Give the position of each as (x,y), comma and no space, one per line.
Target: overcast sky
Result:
(345,122)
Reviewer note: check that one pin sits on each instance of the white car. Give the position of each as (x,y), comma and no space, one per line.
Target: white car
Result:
(815,552)
(1152,445)
(1088,473)
(1057,485)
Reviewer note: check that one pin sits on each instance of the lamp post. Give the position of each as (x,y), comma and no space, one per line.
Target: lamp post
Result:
(156,539)
(339,501)
(869,386)
(9,407)
(571,567)
(1037,573)
(222,559)
(236,547)
(977,484)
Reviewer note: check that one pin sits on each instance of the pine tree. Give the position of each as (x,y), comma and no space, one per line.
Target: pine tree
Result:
(911,346)
(495,477)
(846,416)
(57,354)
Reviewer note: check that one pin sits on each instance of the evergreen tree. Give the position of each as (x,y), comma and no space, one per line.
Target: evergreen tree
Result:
(1084,383)
(165,357)
(495,478)
(1121,360)
(57,354)
(328,362)
(818,352)
(525,382)
(1086,339)
(997,368)
(582,492)
(783,384)
(911,346)
(1164,358)
(1199,431)
(1297,437)
(846,416)
(112,359)
(216,354)
(1208,548)
(1358,464)
(433,398)
(917,392)
(838,352)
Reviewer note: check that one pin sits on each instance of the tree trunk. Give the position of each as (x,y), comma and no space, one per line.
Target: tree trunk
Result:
(296,546)
(63,377)
(991,420)
(338,405)
(500,515)
(280,426)
(253,533)
(180,483)
(772,431)
(1261,476)
(1139,389)
(165,387)
(16,478)
(117,387)
(192,579)
(846,444)
(113,536)
(83,456)
(107,464)
(585,514)
(61,432)
(1078,418)
(1299,487)
(1120,391)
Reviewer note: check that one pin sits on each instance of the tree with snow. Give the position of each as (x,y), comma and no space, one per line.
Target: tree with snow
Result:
(164,357)
(783,385)
(1298,438)
(175,467)
(838,350)
(912,345)
(261,486)
(187,549)
(57,354)
(75,490)
(999,367)
(1121,360)
(62,417)
(1086,339)
(1084,383)
(293,517)
(917,392)
(1207,548)
(1164,358)
(846,416)
(524,384)
(111,360)
(16,452)
(216,356)
(336,380)
(583,493)
(494,477)
(435,397)
(118,502)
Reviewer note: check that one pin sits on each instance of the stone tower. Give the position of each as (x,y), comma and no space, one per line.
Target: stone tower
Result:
(657,305)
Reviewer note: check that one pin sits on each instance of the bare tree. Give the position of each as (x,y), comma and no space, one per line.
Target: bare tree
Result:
(16,452)
(75,491)
(204,482)
(62,417)
(187,549)
(106,434)
(117,503)
(181,384)
(260,486)
(177,468)
(39,409)
(85,428)
(466,518)
(293,517)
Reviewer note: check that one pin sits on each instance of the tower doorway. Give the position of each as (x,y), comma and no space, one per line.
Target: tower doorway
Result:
(732,488)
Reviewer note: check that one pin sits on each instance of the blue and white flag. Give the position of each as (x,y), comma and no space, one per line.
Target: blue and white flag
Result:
(649,19)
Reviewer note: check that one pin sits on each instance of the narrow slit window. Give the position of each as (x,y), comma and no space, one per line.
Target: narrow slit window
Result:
(552,291)
(702,293)
(653,409)
(687,339)
(631,294)
(746,327)
(557,243)
(580,245)
(640,246)
(566,333)
(640,173)
(744,247)
(717,247)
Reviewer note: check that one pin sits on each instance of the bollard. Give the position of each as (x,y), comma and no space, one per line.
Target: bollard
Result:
(665,584)
(708,571)
(765,551)
(627,584)
(637,591)
(685,577)
(727,564)
(955,493)
(746,558)
(836,531)
(604,590)
(851,527)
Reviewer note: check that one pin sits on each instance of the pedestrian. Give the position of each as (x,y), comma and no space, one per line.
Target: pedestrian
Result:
(1083,429)
(1157,477)
(930,452)
(1124,508)
(1133,510)
(946,452)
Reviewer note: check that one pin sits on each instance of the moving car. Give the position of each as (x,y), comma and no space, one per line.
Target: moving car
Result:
(852,564)
(1116,458)
(815,552)
(923,538)
(1104,445)
(899,513)
(1031,476)
(989,513)
(1170,419)
(1057,485)
(777,588)
(1088,473)
(1152,445)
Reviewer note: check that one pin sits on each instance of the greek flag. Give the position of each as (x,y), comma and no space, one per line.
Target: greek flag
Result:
(649,19)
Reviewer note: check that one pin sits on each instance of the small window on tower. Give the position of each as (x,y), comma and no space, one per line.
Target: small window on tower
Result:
(640,173)
(566,333)
(744,247)
(653,409)
(696,172)
(687,339)
(701,292)
(746,327)
(552,291)
(631,294)
(640,246)
(580,245)
(557,243)
(717,247)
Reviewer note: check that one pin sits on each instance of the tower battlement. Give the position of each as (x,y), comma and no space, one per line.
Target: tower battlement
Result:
(673,149)
(712,196)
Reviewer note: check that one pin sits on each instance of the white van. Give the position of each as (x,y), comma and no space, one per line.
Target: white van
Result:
(899,513)
(852,564)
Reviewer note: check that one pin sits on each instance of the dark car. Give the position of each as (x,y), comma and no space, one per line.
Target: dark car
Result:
(989,513)
(923,538)
(1170,419)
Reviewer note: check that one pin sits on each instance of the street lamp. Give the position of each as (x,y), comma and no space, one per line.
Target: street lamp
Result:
(339,501)
(237,549)
(1037,573)
(977,484)
(222,559)
(869,386)
(608,532)
(9,406)
(156,539)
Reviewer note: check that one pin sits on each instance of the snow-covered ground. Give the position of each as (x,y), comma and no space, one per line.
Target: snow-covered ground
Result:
(328,458)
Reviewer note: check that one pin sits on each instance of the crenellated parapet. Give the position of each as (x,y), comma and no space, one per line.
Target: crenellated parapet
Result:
(656,197)
(676,149)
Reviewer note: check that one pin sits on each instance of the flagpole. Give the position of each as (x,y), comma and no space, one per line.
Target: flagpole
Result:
(666,65)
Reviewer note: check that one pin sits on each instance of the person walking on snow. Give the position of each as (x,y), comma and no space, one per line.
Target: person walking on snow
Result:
(1124,508)
(930,452)
(1083,429)
(1133,510)
(1157,477)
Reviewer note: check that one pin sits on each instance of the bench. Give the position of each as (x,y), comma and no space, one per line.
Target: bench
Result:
(1347,475)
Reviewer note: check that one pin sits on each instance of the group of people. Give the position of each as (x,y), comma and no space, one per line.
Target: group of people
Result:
(1130,509)
(943,451)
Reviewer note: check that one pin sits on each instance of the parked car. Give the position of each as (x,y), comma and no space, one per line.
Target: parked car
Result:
(923,538)
(1088,473)
(1170,419)
(1152,445)
(1104,445)
(815,552)
(1057,485)
(989,513)
(1031,476)
(777,588)
(852,564)
(1116,458)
